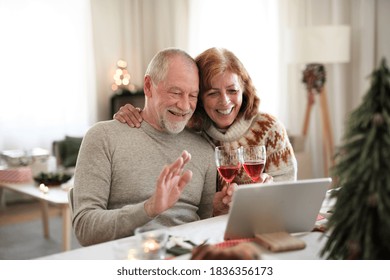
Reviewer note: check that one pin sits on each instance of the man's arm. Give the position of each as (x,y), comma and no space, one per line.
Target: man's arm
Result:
(222,199)
(93,222)
(209,188)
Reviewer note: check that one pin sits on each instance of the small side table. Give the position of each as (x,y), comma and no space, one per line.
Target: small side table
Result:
(56,196)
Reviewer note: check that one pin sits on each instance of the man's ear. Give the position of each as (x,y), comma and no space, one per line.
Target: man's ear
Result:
(148,84)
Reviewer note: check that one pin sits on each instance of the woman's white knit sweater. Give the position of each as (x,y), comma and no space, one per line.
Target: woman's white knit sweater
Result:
(263,129)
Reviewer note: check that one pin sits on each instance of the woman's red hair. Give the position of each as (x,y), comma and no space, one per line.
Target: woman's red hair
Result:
(213,62)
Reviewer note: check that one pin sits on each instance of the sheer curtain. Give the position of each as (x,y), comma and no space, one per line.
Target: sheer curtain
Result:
(133,30)
(46,72)
(249,29)
(136,29)
(346,83)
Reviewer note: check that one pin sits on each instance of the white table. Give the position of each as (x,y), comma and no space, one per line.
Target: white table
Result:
(56,196)
(211,230)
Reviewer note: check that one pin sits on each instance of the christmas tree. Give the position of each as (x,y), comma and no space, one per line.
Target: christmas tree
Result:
(359,227)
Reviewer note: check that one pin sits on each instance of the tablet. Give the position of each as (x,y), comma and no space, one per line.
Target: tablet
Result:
(283,206)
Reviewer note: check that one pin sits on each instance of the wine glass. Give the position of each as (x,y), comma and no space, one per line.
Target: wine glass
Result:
(253,161)
(228,162)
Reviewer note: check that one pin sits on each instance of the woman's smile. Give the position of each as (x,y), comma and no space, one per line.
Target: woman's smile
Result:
(222,102)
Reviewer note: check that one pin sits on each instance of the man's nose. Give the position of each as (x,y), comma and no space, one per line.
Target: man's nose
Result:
(184,103)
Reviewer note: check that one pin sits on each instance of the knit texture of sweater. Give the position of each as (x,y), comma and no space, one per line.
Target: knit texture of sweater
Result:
(117,170)
(263,129)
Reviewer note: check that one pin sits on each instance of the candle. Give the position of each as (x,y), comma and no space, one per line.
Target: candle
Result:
(152,239)
(43,188)
(151,246)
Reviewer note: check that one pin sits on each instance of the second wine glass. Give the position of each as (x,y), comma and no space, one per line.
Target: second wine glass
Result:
(253,161)
(228,162)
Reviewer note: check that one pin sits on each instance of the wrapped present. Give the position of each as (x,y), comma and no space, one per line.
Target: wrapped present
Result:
(37,159)
(18,158)
(16,175)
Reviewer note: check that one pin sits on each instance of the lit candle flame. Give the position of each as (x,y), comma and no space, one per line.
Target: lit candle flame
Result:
(151,245)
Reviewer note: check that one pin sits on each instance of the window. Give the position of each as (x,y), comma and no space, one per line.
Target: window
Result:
(46,78)
(249,29)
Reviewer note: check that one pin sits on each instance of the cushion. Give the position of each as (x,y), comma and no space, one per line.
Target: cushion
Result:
(69,150)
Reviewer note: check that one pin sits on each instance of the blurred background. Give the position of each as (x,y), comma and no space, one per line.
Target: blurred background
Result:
(59,58)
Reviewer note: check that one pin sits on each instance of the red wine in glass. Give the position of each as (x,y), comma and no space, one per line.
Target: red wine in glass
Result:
(228,172)
(253,159)
(228,161)
(254,169)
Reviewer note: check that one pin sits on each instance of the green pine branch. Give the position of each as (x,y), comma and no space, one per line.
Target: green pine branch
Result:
(359,227)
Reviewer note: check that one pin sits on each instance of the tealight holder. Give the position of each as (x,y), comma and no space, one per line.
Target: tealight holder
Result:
(43,188)
(127,249)
(152,242)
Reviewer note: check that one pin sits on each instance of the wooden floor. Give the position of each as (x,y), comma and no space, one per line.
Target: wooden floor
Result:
(24,211)
(21,231)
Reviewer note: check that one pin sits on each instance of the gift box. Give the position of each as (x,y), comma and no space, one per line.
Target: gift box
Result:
(16,175)
(37,159)
(19,158)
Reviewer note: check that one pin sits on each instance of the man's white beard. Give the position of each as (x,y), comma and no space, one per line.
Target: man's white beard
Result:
(173,127)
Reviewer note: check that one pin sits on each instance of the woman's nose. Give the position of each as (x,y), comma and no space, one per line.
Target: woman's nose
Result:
(225,99)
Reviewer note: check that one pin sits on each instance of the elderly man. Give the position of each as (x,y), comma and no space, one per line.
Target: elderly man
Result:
(161,173)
